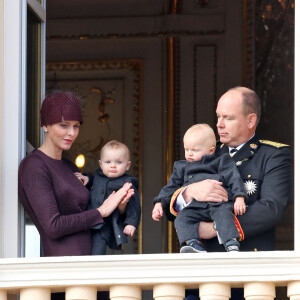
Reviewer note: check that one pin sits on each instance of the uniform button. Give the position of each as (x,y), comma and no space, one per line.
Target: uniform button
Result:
(255,249)
(119,236)
(249,176)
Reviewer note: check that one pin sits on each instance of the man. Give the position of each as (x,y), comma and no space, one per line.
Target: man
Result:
(264,166)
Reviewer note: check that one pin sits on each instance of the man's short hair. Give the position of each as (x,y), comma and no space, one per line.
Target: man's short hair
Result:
(251,101)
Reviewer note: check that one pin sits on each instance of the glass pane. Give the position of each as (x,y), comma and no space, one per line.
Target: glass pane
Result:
(33,79)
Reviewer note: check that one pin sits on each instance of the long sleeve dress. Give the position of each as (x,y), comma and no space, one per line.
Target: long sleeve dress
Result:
(56,202)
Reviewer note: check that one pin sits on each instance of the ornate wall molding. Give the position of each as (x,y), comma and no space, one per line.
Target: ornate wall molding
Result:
(130,64)
(165,34)
(157,26)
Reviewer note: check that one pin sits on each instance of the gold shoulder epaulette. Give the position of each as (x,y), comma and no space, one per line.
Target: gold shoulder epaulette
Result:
(219,144)
(274,144)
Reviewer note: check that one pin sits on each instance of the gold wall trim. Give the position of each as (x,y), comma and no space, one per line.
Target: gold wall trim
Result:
(170,130)
(163,34)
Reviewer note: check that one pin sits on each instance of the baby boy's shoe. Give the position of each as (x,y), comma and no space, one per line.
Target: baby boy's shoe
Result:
(193,246)
(232,245)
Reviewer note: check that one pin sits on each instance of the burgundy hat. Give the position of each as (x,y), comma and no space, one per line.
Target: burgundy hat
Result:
(60,106)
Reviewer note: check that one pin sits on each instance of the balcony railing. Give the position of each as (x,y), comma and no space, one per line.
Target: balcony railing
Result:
(168,275)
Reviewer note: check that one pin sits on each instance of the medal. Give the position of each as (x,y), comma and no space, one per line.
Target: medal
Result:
(250,187)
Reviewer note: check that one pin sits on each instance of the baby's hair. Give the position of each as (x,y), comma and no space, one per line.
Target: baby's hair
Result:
(204,129)
(115,145)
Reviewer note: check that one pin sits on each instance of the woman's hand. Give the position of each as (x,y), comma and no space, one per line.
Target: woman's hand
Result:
(112,202)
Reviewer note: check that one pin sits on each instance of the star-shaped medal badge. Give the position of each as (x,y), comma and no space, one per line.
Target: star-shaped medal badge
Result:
(250,187)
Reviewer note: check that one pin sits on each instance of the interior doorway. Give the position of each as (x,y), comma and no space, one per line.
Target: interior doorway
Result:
(155,68)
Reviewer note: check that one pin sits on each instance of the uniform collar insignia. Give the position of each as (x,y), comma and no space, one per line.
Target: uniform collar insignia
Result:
(247,151)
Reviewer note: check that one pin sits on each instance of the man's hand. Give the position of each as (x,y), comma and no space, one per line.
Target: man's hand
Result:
(157,211)
(204,191)
(129,230)
(206,230)
(239,206)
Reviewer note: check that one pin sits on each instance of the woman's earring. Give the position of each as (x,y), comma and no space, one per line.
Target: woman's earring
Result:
(45,130)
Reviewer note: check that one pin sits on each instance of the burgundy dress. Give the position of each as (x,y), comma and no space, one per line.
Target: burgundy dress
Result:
(56,201)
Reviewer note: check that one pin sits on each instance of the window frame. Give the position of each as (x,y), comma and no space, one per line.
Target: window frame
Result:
(296,131)
(13,140)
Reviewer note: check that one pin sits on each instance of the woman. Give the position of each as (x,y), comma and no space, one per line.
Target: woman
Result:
(54,198)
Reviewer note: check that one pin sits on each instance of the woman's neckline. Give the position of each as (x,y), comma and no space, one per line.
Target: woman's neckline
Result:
(48,156)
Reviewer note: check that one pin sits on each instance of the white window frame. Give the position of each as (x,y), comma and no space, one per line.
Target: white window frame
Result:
(297,131)
(14,117)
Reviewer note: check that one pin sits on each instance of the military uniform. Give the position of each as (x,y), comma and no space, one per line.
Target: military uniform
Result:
(265,168)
